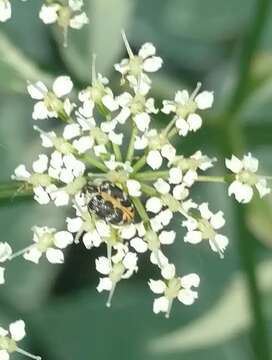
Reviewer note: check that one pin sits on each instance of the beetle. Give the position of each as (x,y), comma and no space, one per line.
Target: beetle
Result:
(109,202)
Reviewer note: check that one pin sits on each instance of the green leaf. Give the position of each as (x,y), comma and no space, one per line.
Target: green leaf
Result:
(16,68)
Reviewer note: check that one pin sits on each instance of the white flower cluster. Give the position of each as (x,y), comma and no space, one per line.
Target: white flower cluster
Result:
(246,178)
(125,192)
(65,13)
(9,340)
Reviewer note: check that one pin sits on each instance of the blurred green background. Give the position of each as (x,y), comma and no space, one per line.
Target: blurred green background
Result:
(227,45)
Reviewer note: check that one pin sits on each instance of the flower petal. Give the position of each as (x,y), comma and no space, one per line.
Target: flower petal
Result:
(62,239)
(157,286)
(152,64)
(154,159)
(55,256)
(17,330)
(62,85)
(160,305)
(190,280)
(187,297)
(204,100)
(104,284)
(103,265)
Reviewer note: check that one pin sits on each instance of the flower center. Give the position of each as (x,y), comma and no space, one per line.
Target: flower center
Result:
(137,104)
(173,288)
(64,16)
(52,103)
(8,344)
(97,91)
(63,146)
(117,272)
(206,229)
(75,186)
(171,202)
(135,65)
(40,179)
(45,241)
(100,137)
(247,177)
(185,109)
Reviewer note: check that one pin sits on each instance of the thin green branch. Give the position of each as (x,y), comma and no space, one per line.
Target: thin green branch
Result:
(151,175)
(140,209)
(218,179)
(139,164)
(117,152)
(14,190)
(130,151)
(94,163)
(149,190)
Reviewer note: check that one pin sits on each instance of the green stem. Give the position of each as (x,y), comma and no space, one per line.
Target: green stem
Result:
(219,179)
(140,209)
(130,151)
(117,152)
(172,133)
(139,164)
(14,190)
(94,163)
(168,128)
(148,190)
(154,175)
(151,175)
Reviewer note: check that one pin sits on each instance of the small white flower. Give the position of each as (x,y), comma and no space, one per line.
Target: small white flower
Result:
(48,241)
(204,228)
(92,231)
(9,339)
(40,180)
(121,266)
(97,93)
(184,106)
(173,287)
(49,104)
(138,107)
(190,166)
(135,66)
(65,15)
(246,178)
